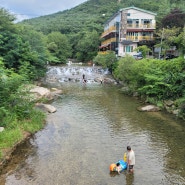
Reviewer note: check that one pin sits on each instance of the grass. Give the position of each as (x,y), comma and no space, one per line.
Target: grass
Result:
(9,137)
(36,123)
(14,131)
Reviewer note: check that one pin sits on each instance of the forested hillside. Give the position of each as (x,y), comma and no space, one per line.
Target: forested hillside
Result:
(92,14)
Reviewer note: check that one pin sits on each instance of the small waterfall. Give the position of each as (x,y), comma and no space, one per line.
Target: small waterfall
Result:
(72,73)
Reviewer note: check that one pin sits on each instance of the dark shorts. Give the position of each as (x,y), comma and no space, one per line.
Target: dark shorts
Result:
(131,167)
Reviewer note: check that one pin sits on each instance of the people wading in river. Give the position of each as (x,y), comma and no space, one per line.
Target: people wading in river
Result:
(130,159)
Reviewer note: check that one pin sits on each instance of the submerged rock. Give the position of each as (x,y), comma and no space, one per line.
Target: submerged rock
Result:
(46,107)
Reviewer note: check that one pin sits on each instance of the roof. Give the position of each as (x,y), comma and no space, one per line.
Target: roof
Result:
(128,8)
(139,9)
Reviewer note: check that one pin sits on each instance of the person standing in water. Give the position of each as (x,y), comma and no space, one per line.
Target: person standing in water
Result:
(83,78)
(130,159)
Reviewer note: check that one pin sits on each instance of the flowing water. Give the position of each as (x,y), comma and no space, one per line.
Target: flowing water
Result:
(93,125)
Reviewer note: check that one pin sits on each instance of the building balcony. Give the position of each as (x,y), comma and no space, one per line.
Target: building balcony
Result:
(139,38)
(108,41)
(141,26)
(110,30)
(102,52)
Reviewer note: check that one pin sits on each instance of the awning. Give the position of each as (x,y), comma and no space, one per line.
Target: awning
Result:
(126,42)
(103,46)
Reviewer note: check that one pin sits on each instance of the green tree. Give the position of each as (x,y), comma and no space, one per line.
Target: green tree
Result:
(107,60)
(87,46)
(6,21)
(124,69)
(59,47)
(144,50)
(168,38)
(180,41)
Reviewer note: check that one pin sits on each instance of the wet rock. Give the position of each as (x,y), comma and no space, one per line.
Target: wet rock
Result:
(149,108)
(41,92)
(109,81)
(176,112)
(46,107)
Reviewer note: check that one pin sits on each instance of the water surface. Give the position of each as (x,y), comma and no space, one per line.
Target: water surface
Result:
(90,130)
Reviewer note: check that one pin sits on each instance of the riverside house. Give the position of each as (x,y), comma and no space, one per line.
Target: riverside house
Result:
(127,29)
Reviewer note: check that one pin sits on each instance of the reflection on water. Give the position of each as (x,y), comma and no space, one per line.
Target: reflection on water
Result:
(90,130)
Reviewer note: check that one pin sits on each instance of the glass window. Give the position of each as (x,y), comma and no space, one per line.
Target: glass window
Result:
(128,49)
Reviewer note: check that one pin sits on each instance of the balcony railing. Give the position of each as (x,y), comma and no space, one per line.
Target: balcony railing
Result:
(108,41)
(141,26)
(139,38)
(111,29)
(102,52)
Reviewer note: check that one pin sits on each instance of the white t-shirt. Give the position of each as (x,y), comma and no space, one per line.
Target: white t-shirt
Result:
(131,157)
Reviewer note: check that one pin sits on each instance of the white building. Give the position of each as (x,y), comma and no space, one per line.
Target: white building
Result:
(127,29)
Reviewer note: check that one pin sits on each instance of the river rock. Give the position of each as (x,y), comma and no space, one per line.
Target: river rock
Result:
(40,92)
(46,107)
(109,81)
(149,108)
(176,112)
(1,129)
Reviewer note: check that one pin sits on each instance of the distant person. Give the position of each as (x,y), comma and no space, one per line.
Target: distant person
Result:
(101,81)
(130,159)
(83,78)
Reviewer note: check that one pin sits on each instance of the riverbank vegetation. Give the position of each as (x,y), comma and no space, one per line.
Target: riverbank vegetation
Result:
(17,113)
(20,64)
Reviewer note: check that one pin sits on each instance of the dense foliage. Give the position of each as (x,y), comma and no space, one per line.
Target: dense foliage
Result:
(106,60)
(20,62)
(155,80)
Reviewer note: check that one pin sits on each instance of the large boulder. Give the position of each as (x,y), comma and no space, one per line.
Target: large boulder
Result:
(149,108)
(42,92)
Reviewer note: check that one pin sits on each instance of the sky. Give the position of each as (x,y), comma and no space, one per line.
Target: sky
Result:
(26,9)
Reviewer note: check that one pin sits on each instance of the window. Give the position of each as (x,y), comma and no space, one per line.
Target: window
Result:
(128,49)
(129,21)
(146,21)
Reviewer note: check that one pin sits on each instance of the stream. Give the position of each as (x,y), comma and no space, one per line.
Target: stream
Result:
(91,129)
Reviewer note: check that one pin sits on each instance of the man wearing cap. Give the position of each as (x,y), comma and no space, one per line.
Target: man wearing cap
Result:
(130,159)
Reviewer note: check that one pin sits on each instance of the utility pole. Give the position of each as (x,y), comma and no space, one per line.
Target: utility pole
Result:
(161,43)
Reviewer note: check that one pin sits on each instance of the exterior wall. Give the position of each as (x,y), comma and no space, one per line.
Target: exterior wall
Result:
(136,14)
(112,21)
(124,49)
